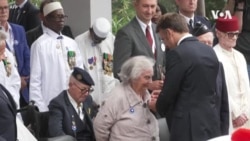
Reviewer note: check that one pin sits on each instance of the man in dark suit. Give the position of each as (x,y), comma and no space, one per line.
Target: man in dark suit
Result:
(221,88)
(36,32)
(188,98)
(138,37)
(187,9)
(24,13)
(71,112)
(8,130)
(17,44)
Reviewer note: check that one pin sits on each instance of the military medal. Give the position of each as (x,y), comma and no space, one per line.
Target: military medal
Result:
(71,59)
(7,66)
(92,62)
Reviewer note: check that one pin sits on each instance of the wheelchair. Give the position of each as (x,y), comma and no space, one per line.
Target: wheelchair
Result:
(37,123)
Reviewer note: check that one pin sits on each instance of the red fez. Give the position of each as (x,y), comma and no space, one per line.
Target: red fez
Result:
(241,134)
(227,24)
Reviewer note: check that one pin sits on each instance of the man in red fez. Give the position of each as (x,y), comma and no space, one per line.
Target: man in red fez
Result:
(236,75)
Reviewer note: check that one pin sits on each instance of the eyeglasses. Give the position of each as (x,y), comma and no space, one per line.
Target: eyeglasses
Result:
(85,90)
(58,17)
(231,35)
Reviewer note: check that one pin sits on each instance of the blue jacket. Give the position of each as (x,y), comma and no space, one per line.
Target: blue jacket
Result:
(22,54)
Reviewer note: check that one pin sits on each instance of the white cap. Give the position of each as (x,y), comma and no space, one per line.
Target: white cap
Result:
(50,7)
(101,27)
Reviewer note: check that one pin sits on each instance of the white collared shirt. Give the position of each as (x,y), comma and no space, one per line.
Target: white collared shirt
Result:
(76,107)
(184,37)
(143,27)
(187,18)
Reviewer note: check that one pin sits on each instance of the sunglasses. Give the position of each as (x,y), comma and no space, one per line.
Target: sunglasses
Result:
(231,35)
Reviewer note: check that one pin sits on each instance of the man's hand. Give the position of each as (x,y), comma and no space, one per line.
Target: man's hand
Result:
(24,82)
(240,120)
(156,85)
(152,102)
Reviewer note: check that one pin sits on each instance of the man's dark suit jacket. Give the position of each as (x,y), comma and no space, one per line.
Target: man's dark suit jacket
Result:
(8,129)
(36,32)
(188,98)
(222,101)
(62,114)
(29,17)
(131,41)
(201,19)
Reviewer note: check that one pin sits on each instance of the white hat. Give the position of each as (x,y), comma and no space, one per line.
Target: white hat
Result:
(101,27)
(50,7)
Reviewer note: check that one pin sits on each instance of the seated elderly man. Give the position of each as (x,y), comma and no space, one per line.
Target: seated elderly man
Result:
(71,112)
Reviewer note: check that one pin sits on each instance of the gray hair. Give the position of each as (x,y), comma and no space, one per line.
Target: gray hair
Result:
(134,67)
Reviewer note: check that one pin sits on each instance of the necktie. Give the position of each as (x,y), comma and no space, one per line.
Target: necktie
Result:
(191,23)
(79,111)
(149,37)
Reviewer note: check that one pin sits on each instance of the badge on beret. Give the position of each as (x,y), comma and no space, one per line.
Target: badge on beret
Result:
(79,77)
(71,59)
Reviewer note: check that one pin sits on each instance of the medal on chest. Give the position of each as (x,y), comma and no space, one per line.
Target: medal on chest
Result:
(107,64)
(7,66)
(92,62)
(71,59)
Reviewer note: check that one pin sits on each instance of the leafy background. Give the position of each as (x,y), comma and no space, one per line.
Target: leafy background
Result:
(123,12)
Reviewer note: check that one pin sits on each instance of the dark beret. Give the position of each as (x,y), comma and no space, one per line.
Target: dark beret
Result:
(82,76)
(200,28)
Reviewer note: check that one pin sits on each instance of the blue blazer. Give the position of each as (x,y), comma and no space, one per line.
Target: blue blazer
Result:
(22,51)
(22,54)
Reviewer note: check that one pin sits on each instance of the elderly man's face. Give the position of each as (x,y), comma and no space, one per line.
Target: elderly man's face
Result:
(145,9)
(79,91)
(55,20)
(227,40)
(4,11)
(207,38)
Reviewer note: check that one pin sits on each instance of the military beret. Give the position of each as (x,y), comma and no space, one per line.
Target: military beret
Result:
(200,28)
(82,76)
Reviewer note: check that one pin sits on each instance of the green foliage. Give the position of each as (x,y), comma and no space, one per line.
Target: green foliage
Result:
(122,13)
(35,2)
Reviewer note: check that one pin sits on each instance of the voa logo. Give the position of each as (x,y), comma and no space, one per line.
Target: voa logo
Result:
(224,14)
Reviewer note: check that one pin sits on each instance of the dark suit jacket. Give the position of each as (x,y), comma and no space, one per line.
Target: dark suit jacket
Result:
(22,54)
(8,129)
(62,114)
(29,17)
(36,32)
(131,41)
(222,101)
(202,20)
(188,98)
